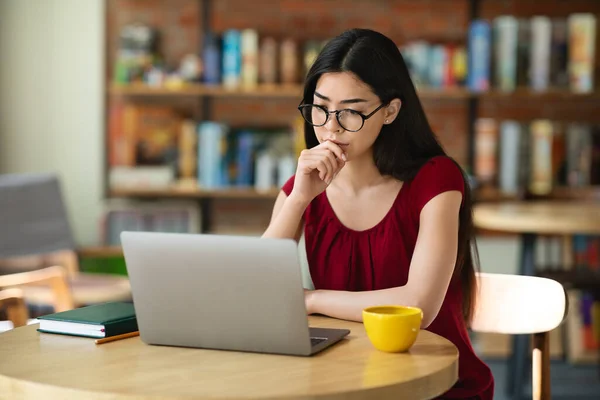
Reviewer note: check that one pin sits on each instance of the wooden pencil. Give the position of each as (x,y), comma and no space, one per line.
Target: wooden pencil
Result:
(117,337)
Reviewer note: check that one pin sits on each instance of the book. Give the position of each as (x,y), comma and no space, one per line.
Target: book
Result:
(581,48)
(505,52)
(97,321)
(486,146)
(479,49)
(541,157)
(539,56)
(509,159)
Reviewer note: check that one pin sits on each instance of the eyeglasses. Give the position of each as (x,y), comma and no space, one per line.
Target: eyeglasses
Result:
(350,120)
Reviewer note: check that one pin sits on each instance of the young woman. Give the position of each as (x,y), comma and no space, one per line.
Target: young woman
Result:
(385,212)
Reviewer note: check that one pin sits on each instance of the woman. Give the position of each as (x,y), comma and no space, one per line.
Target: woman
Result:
(385,213)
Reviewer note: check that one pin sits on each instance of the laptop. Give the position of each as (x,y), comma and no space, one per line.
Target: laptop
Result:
(221,292)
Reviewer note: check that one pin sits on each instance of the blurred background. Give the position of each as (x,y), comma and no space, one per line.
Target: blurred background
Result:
(180,116)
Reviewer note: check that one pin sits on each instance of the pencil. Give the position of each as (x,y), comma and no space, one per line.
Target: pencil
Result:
(117,337)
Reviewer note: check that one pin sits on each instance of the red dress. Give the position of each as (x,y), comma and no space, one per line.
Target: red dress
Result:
(379,258)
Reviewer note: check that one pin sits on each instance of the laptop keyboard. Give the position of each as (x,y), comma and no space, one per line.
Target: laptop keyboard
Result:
(316,340)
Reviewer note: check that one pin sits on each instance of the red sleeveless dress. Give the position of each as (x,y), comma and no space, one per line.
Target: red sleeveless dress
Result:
(379,258)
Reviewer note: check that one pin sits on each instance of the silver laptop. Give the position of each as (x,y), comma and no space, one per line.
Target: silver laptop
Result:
(221,292)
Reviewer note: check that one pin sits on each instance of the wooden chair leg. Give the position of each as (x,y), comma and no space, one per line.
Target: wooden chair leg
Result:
(14,304)
(540,373)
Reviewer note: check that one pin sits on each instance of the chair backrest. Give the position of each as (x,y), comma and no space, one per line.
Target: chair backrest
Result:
(516,304)
(33,215)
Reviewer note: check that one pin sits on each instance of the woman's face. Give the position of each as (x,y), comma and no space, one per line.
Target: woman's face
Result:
(343,90)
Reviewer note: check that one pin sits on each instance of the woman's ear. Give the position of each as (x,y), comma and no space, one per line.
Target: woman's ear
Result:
(392,110)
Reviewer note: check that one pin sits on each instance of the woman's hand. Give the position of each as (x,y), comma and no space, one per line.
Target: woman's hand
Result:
(316,169)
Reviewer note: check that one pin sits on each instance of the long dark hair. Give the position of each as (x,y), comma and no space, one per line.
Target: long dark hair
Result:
(407,143)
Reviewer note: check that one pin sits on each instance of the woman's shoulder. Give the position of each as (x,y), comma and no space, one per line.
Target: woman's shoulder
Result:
(440,170)
(288,185)
(437,175)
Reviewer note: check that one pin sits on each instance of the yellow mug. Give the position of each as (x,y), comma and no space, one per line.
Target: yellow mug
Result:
(392,329)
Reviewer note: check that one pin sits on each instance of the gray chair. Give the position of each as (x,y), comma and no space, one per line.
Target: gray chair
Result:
(35,234)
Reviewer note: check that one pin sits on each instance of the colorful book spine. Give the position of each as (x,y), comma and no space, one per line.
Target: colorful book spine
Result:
(559,56)
(541,159)
(245,158)
(437,66)
(479,56)
(289,61)
(510,138)
(419,53)
(523,51)
(268,61)
(486,143)
(579,154)
(187,150)
(211,59)
(582,38)
(232,59)
(505,52)
(210,154)
(541,39)
(459,65)
(249,58)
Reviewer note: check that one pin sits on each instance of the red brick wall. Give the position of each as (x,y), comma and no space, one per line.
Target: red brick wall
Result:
(317,19)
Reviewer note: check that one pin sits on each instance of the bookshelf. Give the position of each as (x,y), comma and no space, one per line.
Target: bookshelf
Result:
(204,99)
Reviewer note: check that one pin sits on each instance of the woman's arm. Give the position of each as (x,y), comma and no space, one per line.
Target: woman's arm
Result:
(431,269)
(286,220)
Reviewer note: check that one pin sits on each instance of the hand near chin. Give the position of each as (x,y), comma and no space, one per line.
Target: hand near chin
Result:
(316,169)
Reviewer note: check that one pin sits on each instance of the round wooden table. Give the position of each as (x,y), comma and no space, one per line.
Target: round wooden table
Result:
(530,219)
(37,365)
(539,217)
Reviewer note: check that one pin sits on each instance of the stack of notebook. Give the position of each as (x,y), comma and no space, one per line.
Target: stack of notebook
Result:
(97,321)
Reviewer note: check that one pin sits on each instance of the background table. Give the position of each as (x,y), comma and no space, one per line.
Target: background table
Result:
(37,365)
(529,220)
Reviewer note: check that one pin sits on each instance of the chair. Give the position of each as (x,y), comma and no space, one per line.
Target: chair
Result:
(13,299)
(516,304)
(35,234)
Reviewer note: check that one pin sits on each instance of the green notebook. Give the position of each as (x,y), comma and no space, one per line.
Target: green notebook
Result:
(97,321)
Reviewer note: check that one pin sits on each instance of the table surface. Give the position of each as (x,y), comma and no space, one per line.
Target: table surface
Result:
(39,365)
(539,217)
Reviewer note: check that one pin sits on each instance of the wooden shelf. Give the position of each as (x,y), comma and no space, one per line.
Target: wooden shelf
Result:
(295,91)
(277,91)
(226,193)
(484,194)
(526,93)
(283,91)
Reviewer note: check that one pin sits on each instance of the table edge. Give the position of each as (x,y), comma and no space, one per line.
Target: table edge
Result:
(19,388)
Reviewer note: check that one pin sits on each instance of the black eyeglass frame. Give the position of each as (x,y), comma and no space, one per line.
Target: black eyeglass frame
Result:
(337,115)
